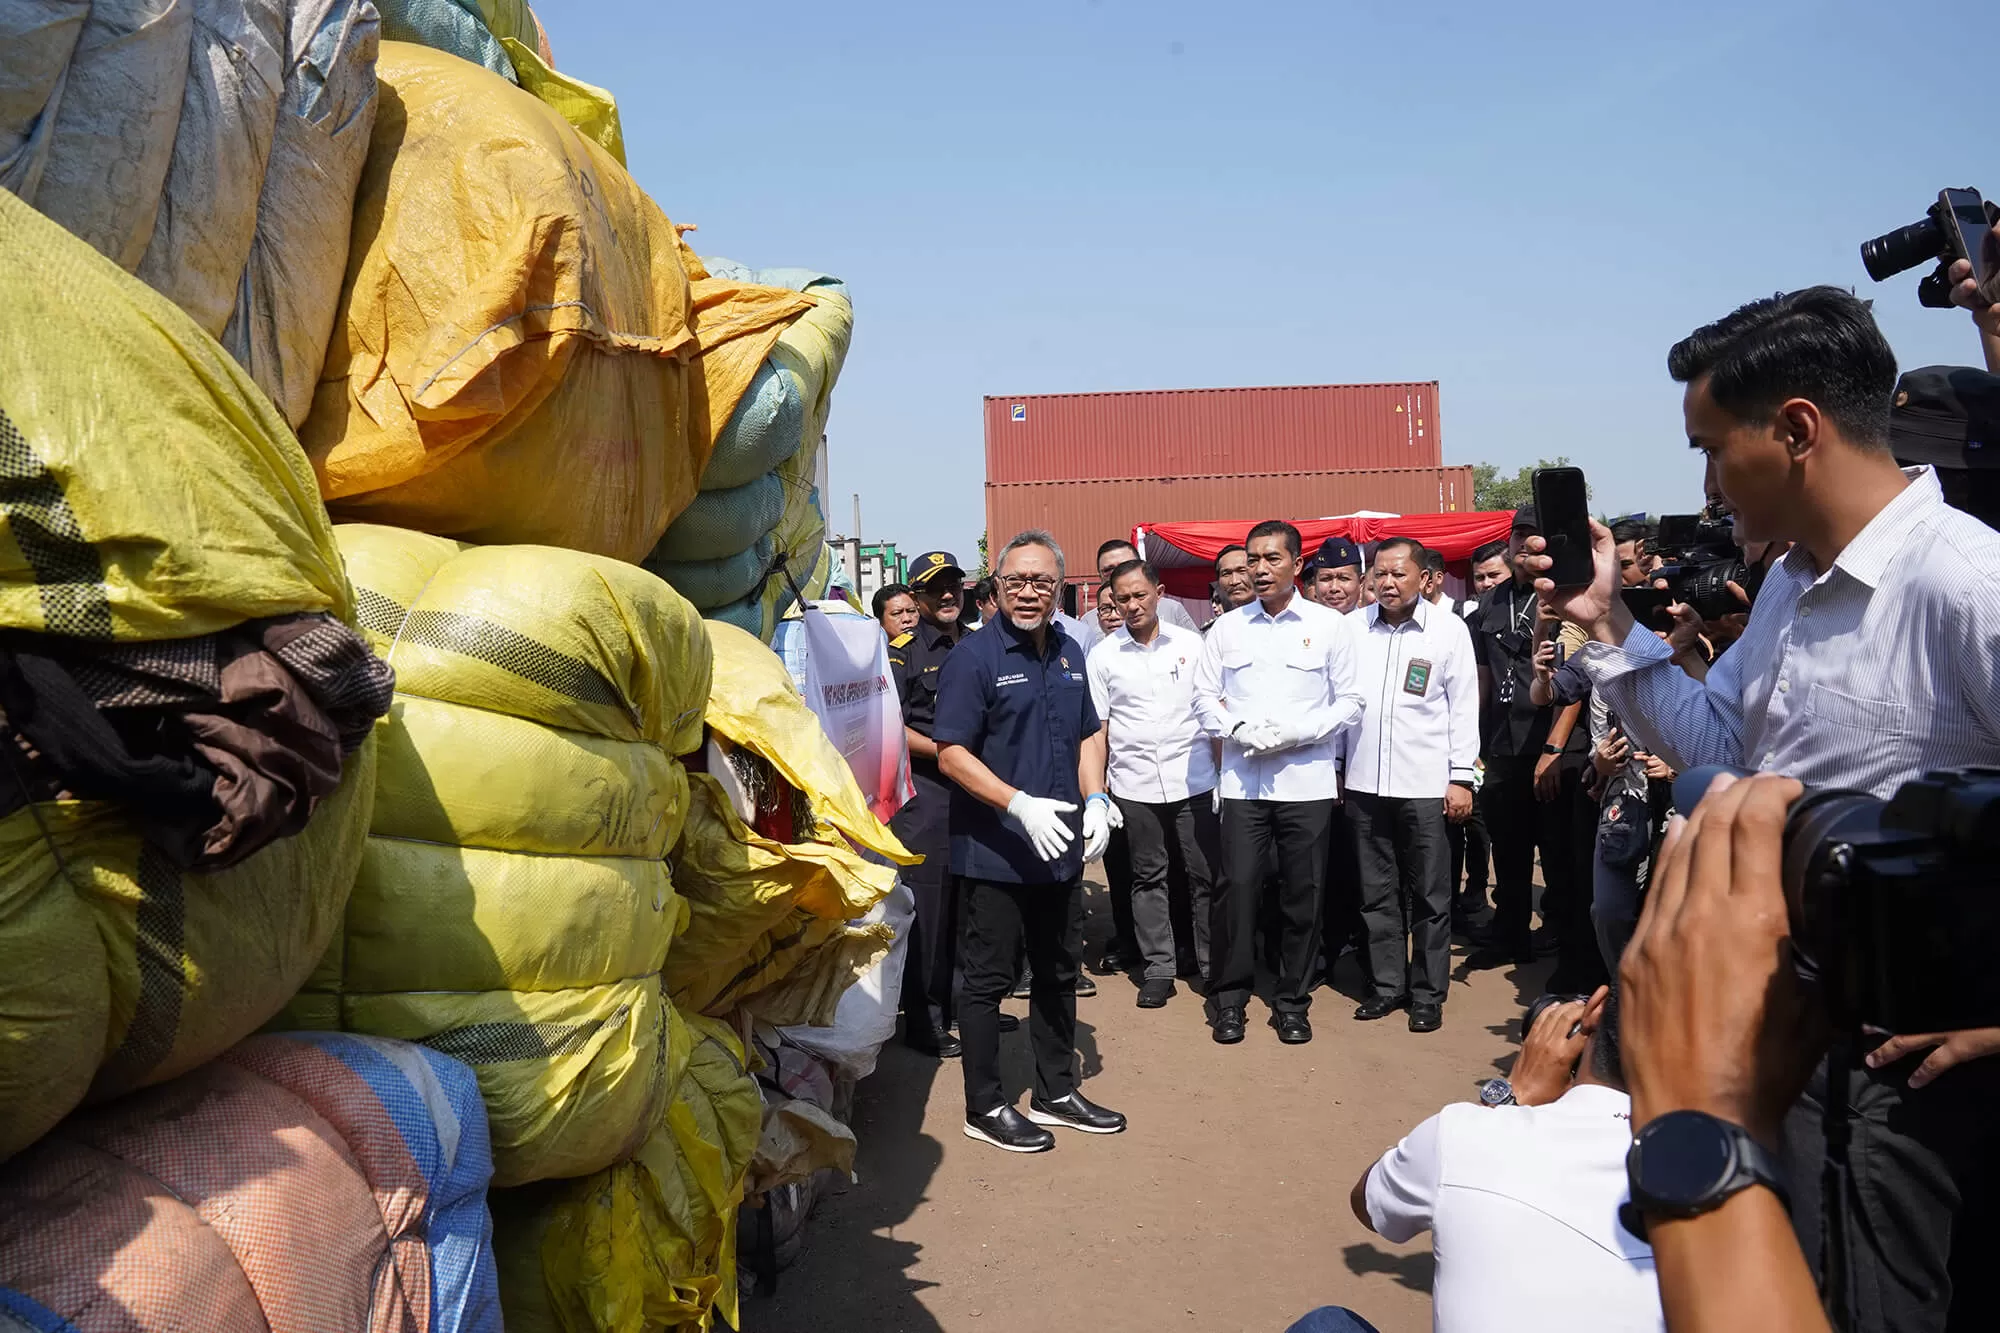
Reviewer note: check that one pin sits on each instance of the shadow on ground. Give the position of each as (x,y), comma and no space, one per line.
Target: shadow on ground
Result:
(1410,1270)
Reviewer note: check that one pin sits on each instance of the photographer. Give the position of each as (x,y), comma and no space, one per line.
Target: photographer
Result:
(1872,654)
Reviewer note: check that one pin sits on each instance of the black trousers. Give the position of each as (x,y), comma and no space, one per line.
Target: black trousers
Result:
(996,919)
(1405,893)
(1340,898)
(1567,896)
(1189,831)
(1288,839)
(1470,855)
(1917,1197)
(1118,878)
(924,826)
(1519,826)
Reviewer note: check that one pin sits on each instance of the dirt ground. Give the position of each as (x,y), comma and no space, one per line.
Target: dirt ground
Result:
(1223,1207)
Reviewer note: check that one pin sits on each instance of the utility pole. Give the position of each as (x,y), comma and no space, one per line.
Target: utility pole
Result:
(857,518)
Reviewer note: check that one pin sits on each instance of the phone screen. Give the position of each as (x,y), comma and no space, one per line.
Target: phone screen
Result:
(1968,213)
(1562,503)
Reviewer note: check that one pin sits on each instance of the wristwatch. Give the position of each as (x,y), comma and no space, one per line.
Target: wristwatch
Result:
(1551,749)
(1497,1092)
(1686,1163)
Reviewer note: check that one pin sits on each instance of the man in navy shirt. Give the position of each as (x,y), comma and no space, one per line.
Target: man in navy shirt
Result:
(1017,734)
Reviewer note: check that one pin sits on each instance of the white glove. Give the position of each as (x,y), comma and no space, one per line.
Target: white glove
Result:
(1116,813)
(1097,814)
(1286,734)
(1041,818)
(1256,736)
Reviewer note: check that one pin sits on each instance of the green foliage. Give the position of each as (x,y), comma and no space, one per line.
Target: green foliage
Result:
(982,571)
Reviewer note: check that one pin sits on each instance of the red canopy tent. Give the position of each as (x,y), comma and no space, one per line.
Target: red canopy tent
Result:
(1184,553)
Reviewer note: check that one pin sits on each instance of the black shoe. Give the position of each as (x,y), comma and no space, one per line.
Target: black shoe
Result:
(1007,1128)
(1025,986)
(1380,1006)
(1543,941)
(1228,1028)
(1293,1029)
(1426,1017)
(944,1047)
(1009,1023)
(1500,955)
(1084,985)
(1115,960)
(1154,992)
(1074,1112)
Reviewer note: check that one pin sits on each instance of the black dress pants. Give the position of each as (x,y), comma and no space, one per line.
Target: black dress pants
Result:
(1405,893)
(1340,900)
(1917,1199)
(1188,831)
(1569,880)
(1470,856)
(1259,838)
(1519,826)
(997,918)
(924,826)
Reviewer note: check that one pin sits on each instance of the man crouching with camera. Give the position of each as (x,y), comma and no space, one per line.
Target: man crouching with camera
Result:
(1872,655)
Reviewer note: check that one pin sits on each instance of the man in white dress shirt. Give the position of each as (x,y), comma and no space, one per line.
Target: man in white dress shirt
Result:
(1161,771)
(1872,654)
(1409,769)
(1275,681)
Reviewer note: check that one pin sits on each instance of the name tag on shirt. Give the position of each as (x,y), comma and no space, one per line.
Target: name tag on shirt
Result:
(1417,678)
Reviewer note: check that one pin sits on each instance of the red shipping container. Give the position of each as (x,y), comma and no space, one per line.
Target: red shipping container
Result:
(1082,514)
(1211,432)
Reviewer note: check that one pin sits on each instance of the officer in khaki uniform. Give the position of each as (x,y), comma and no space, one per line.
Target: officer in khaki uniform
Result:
(924,823)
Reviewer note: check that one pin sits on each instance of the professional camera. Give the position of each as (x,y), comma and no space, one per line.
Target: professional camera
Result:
(1953,228)
(1699,560)
(1894,905)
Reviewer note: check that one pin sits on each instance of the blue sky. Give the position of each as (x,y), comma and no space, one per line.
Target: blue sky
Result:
(1527,203)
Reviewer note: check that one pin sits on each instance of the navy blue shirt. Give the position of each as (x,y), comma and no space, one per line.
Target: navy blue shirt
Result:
(1024,717)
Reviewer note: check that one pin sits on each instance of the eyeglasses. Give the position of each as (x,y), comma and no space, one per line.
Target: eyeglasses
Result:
(1023,582)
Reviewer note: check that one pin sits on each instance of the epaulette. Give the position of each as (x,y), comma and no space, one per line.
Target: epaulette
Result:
(904,639)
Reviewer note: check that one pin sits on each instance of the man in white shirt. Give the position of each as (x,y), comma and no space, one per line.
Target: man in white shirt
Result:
(1409,769)
(1872,654)
(1275,681)
(1161,770)
(1521,1191)
(1110,556)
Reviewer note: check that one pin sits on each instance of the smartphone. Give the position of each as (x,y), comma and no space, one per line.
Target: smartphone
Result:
(1649,606)
(1968,217)
(1562,503)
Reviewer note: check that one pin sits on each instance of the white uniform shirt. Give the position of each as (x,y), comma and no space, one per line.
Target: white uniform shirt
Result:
(1144,694)
(1296,668)
(1880,669)
(1522,1206)
(1420,728)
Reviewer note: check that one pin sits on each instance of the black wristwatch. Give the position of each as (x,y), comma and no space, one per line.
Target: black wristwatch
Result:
(1687,1163)
(1551,749)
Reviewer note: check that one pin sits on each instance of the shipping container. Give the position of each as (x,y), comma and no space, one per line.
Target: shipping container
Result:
(1211,432)
(1082,514)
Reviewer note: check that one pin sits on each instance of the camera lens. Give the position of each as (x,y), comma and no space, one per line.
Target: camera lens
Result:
(1819,822)
(1904,248)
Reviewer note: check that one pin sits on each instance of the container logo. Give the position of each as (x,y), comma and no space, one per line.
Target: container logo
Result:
(1019,412)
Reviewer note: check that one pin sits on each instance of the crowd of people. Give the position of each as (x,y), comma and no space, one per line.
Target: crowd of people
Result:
(1323,767)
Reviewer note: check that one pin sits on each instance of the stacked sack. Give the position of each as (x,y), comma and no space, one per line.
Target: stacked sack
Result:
(211,147)
(515,907)
(187,715)
(300,1183)
(756,530)
(519,357)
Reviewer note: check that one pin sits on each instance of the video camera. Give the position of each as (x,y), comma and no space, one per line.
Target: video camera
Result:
(1699,560)
(1956,227)
(1895,904)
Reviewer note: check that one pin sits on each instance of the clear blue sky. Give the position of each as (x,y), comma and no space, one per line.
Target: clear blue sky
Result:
(1528,203)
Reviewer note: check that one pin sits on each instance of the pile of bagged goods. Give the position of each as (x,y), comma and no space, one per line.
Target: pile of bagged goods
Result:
(426,900)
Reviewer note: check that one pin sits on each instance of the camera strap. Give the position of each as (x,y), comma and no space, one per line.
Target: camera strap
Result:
(1834,1181)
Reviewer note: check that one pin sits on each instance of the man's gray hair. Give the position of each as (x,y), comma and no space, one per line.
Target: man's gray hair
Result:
(1032,537)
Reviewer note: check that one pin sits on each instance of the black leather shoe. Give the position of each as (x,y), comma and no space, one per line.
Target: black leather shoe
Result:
(1114,961)
(1074,1112)
(1500,955)
(1228,1028)
(1380,1006)
(1009,1023)
(1084,985)
(1008,1129)
(1294,1029)
(946,1047)
(1426,1017)
(1025,986)
(1154,992)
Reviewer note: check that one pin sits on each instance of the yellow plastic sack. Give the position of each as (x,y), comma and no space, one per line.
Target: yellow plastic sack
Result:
(512,360)
(649,1244)
(148,489)
(514,906)
(759,911)
(592,110)
(122,971)
(754,703)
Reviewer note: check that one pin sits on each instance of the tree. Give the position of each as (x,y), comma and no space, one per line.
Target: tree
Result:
(982,571)
(1491,490)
